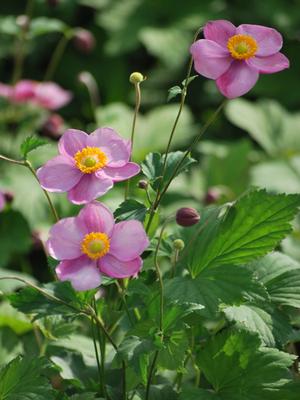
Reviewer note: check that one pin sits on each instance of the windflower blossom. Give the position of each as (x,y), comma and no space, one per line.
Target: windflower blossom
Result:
(88,165)
(92,244)
(47,95)
(235,57)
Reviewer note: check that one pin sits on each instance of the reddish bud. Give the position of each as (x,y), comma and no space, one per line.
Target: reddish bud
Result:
(212,196)
(53,127)
(187,216)
(9,197)
(84,40)
(143,184)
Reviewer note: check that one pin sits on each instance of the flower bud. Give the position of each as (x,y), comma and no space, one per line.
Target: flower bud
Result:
(136,77)
(178,244)
(9,197)
(84,40)
(53,127)
(143,184)
(187,216)
(23,22)
(212,195)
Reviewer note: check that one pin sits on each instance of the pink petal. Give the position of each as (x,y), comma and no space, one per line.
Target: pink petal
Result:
(24,91)
(65,239)
(51,96)
(59,175)
(89,188)
(97,218)
(5,90)
(268,65)
(83,273)
(128,240)
(268,39)
(116,148)
(219,31)
(72,141)
(121,173)
(210,59)
(238,80)
(115,268)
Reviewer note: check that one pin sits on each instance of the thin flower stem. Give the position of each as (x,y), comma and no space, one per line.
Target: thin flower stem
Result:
(135,115)
(17,162)
(122,295)
(57,54)
(151,372)
(100,372)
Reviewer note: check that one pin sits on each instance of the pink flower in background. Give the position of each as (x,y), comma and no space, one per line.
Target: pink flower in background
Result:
(88,165)
(235,57)
(47,95)
(92,244)
(2,201)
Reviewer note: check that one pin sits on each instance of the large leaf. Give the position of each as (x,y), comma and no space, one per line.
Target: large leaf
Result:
(131,209)
(280,274)
(24,378)
(10,346)
(238,368)
(250,228)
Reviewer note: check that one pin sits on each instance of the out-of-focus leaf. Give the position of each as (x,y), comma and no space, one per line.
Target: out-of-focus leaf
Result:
(15,320)
(9,285)
(131,209)
(8,25)
(10,345)
(44,25)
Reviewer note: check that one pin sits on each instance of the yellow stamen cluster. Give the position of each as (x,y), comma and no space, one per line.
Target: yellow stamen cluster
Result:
(95,245)
(242,47)
(90,159)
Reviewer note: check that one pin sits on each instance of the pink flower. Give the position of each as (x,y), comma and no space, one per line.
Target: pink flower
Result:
(88,165)
(235,57)
(92,244)
(47,95)
(2,201)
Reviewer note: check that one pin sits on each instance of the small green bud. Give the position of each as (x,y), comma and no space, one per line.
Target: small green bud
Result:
(178,244)
(136,77)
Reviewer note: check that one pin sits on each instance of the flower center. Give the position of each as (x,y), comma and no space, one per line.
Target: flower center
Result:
(242,47)
(90,159)
(95,245)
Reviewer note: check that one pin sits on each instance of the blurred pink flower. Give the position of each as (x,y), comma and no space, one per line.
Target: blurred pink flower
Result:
(88,165)
(235,57)
(92,244)
(47,95)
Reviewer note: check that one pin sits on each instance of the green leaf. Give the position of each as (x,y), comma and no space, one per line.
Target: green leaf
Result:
(270,324)
(250,228)
(131,209)
(17,321)
(24,378)
(238,368)
(173,92)
(280,275)
(44,25)
(10,345)
(15,235)
(226,284)
(152,167)
(31,143)
(32,301)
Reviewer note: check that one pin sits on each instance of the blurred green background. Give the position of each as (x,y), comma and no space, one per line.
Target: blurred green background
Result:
(255,141)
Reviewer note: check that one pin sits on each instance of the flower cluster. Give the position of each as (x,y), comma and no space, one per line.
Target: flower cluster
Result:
(47,95)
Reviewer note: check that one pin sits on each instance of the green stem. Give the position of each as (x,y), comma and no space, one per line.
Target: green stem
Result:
(136,111)
(57,54)
(151,372)
(100,373)
(122,295)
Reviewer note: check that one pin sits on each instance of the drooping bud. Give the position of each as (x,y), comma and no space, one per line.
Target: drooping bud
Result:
(143,184)
(178,244)
(187,216)
(84,40)
(212,195)
(23,22)
(136,77)
(53,127)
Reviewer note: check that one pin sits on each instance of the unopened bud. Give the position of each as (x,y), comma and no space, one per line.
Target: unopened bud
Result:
(212,196)
(178,244)
(23,22)
(37,242)
(187,216)
(53,127)
(136,77)
(143,184)
(9,197)
(84,40)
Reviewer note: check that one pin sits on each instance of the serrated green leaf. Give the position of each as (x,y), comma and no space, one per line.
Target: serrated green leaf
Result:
(131,209)
(250,228)
(31,143)
(237,367)
(173,92)
(24,378)
(280,274)
(152,167)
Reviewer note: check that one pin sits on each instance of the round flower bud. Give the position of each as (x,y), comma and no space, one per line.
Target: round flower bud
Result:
(136,77)
(9,197)
(187,216)
(84,40)
(212,195)
(143,184)
(178,244)
(23,22)
(53,127)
